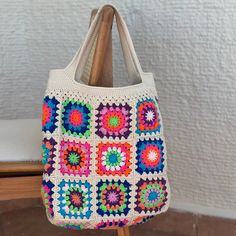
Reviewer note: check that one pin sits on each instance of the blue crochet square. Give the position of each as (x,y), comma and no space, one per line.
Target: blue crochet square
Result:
(75,199)
(76,118)
(150,156)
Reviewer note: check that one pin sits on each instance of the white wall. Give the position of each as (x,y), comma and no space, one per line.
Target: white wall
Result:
(190,45)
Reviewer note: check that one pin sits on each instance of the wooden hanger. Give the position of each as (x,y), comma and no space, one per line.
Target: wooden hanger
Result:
(101,70)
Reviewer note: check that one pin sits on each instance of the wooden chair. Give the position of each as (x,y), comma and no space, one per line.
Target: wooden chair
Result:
(23,180)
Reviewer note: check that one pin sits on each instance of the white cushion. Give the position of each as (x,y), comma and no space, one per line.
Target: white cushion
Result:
(20,140)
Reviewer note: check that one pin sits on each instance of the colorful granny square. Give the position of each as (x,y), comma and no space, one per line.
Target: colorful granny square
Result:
(113,120)
(113,159)
(111,224)
(76,118)
(49,114)
(147,120)
(151,195)
(75,199)
(75,158)
(47,192)
(150,156)
(113,197)
(48,153)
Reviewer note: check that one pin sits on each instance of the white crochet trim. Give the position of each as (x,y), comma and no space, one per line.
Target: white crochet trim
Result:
(59,79)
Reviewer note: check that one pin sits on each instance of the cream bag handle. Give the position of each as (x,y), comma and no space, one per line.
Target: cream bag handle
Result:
(75,69)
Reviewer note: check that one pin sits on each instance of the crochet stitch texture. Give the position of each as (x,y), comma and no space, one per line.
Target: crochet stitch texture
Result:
(104,157)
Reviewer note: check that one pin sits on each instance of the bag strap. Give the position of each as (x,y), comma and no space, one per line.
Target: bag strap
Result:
(76,66)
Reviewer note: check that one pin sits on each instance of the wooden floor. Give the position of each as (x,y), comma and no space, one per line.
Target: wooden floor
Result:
(27,218)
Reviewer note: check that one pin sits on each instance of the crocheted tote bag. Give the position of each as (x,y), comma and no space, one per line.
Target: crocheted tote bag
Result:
(104,152)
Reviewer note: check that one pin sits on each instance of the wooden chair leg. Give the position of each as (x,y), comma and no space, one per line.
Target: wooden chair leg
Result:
(123,231)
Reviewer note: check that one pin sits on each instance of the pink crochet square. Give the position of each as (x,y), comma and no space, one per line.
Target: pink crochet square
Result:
(75,158)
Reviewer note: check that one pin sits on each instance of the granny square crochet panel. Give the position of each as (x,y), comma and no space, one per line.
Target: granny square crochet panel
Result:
(104,158)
